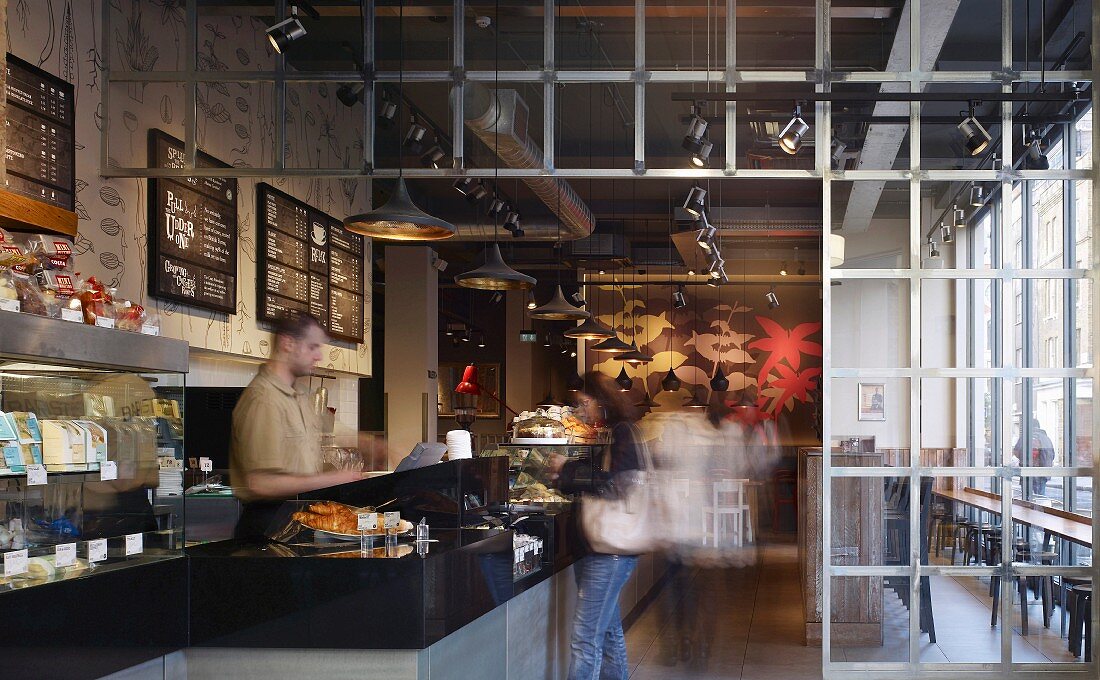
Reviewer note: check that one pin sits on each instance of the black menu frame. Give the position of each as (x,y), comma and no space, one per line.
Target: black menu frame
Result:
(208,193)
(24,183)
(302,259)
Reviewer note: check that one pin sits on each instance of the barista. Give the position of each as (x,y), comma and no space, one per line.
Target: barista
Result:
(275,451)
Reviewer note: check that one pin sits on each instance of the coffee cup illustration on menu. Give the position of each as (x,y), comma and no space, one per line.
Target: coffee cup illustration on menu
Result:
(320,234)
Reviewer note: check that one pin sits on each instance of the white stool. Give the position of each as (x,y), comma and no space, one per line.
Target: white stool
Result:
(728,502)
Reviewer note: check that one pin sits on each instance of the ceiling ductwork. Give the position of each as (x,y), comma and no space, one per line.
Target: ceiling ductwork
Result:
(507,114)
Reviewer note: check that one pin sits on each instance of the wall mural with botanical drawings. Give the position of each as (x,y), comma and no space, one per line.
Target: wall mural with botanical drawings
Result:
(236,123)
(774,353)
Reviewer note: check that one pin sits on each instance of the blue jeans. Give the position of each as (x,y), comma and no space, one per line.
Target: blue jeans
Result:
(598,645)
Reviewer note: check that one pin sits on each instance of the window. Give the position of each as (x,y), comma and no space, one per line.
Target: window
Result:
(1052,352)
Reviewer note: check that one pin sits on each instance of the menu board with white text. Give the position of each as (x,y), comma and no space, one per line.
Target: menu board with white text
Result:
(192,231)
(308,262)
(41,147)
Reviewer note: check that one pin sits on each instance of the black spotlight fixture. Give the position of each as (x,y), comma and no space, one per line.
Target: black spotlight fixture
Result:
(415,135)
(716,270)
(511,221)
(977,195)
(695,203)
(933,251)
(1034,158)
(387,111)
(773,300)
(839,148)
(290,29)
(464,185)
(696,142)
(704,238)
(496,206)
(433,158)
(974,135)
(477,193)
(349,94)
(946,234)
(679,300)
(518,233)
(790,139)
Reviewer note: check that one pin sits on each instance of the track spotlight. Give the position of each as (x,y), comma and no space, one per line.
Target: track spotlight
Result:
(695,204)
(696,133)
(773,300)
(933,251)
(701,158)
(704,238)
(386,112)
(839,148)
(286,31)
(977,195)
(946,234)
(974,135)
(414,136)
(1035,159)
(716,268)
(496,297)
(349,94)
(433,157)
(464,185)
(511,221)
(479,192)
(790,139)
(718,279)
(496,206)
(679,300)
(801,269)
(578,299)
(518,233)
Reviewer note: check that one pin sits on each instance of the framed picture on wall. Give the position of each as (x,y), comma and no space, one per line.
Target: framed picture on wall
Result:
(488,376)
(872,401)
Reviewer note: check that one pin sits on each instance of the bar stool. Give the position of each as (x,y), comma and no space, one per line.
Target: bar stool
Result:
(1021,587)
(1080,623)
(962,531)
(1064,590)
(1046,585)
(940,525)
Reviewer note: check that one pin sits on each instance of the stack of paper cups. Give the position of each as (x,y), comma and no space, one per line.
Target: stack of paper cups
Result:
(459,445)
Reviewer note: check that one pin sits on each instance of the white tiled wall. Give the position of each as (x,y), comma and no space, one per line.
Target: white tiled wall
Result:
(219,371)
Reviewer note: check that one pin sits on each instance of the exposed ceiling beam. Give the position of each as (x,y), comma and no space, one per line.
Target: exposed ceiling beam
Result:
(882,143)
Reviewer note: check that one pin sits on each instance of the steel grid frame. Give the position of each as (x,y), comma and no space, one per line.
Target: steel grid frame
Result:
(821,78)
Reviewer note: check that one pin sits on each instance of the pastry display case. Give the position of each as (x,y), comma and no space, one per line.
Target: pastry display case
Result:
(530,482)
(80,477)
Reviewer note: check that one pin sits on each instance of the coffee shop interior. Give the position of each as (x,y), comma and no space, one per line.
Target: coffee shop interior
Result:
(857,231)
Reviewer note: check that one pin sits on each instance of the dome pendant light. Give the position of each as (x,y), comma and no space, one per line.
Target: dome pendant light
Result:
(719,383)
(695,401)
(589,329)
(634,357)
(575,383)
(626,383)
(559,309)
(399,219)
(549,401)
(495,274)
(647,402)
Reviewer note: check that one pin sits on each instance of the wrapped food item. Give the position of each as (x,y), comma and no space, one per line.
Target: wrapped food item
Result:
(59,291)
(539,426)
(95,300)
(128,316)
(30,295)
(13,256)
(9,295)
(52,253)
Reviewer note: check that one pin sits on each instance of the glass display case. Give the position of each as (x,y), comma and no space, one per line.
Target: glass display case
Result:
(89,449)
(529,480)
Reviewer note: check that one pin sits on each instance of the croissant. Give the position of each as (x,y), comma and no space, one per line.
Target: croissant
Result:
(327,508)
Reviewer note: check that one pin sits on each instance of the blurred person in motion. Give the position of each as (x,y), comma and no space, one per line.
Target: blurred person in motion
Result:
(275,446)
(598,647)
(1040,454)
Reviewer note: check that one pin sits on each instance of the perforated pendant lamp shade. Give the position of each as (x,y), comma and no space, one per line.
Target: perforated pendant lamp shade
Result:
(671,381)
(559,309)
(495,274)
(399,219)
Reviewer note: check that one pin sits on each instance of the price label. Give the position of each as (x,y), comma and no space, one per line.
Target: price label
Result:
(97,550)
(366,521)
(9,305)
(36,474)
(391,520)
(15,563)
(64,555)
(104,322)
(150,329)
(108,470)
(133,544)
(206,465)
(74,315)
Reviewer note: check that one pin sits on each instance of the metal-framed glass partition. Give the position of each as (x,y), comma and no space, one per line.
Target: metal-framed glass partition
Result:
(994,334)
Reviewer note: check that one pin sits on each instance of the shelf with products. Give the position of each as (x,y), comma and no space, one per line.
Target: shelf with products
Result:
(530,481)
(80,478)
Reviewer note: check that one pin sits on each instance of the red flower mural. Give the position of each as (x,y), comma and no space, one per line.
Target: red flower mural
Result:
(782,344)
(791,385)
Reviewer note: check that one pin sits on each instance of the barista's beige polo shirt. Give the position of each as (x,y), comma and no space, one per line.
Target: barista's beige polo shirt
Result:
(274,430)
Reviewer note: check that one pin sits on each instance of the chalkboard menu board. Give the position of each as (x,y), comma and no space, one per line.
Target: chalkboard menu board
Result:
(41,147)
(308,262)
(192,231)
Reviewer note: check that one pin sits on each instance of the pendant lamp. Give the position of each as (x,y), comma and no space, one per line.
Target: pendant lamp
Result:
(589,329)
(495,274)
(624,380)
(695,401)
(612,345)
(549,401)
(575,383)
(719,383)
(559,309)
(670,383)
(634,357)
(399,219)
(647,402)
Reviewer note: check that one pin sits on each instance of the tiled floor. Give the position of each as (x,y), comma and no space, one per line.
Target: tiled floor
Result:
(752,619)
